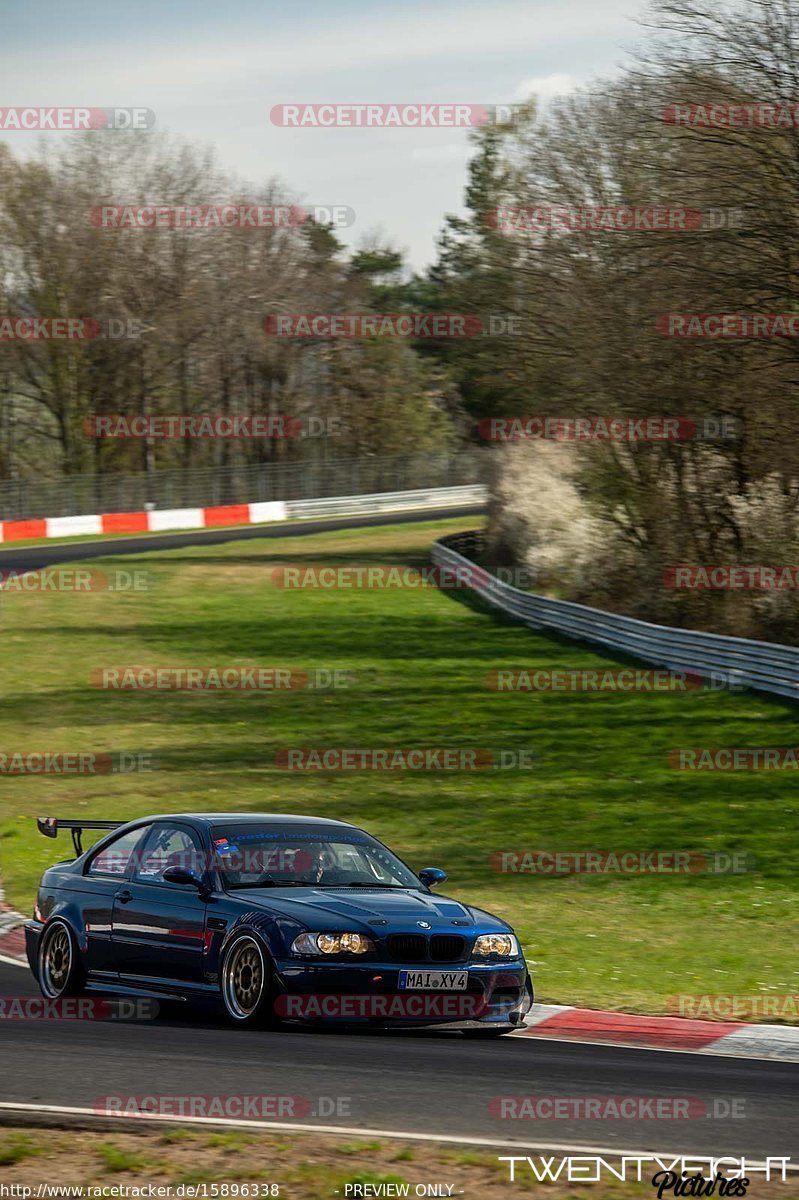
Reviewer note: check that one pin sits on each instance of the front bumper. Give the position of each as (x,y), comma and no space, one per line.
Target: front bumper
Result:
(369,994)
(33,932)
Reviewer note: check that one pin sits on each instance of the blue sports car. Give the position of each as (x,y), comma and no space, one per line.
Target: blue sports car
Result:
(281,918)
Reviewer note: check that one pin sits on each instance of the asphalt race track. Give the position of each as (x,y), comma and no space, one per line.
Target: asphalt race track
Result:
(400,1083)
(34,558)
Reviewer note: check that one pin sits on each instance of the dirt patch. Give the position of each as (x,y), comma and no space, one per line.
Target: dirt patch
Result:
(232,1164)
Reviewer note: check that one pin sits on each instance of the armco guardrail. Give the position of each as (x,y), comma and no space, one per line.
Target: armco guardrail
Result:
(159,520)
(762,666)
(380,502)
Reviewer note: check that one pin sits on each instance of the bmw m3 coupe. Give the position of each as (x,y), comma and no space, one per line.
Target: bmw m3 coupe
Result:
(278,919)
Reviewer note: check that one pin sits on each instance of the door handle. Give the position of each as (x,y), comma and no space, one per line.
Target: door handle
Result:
(124,896)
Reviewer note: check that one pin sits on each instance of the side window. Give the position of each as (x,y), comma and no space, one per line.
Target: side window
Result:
(168,846)
(114,859)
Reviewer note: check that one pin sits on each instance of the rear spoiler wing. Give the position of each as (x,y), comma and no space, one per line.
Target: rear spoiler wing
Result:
(51,826)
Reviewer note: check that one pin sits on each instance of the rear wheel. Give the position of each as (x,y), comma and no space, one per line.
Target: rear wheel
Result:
(61,972)
(247,984)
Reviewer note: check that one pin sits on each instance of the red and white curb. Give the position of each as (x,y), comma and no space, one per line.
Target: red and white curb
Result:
(12,938)
(731,1038)
(156,521)
(264,512)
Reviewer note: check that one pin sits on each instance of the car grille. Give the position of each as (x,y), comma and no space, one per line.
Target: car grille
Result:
(445,947)
(407,947)
(415,947)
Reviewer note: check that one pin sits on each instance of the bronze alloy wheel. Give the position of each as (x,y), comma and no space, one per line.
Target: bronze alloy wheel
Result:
(56,961)
(244,979)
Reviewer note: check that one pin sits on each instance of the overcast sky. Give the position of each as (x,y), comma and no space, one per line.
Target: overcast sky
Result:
(212,71)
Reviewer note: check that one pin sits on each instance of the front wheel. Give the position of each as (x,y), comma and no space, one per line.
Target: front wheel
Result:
(61,972)
(247,987)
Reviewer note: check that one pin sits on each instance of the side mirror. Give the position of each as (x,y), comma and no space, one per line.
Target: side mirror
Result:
(430,876)
(185,878)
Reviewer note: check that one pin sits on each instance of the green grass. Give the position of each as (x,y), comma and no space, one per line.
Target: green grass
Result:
(16,1148)
(116,1160)
(419,658)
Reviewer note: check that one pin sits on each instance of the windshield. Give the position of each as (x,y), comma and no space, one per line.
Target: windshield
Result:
(250,856)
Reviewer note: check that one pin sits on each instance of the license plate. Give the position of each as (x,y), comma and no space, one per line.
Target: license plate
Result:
(433,981)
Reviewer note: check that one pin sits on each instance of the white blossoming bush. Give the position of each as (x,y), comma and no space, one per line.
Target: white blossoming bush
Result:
(767,516)
(541,520)
(691,511)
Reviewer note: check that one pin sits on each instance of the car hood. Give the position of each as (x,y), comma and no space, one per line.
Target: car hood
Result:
(311,906)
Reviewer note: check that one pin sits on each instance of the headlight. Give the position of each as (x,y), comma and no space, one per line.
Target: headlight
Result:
(332,943)
(502,944)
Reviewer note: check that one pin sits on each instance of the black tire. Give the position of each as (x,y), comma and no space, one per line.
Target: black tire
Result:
(246,983)
(61,973)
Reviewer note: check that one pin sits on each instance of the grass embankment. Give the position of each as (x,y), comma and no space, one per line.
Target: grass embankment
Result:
(304,1167)
(419,659)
